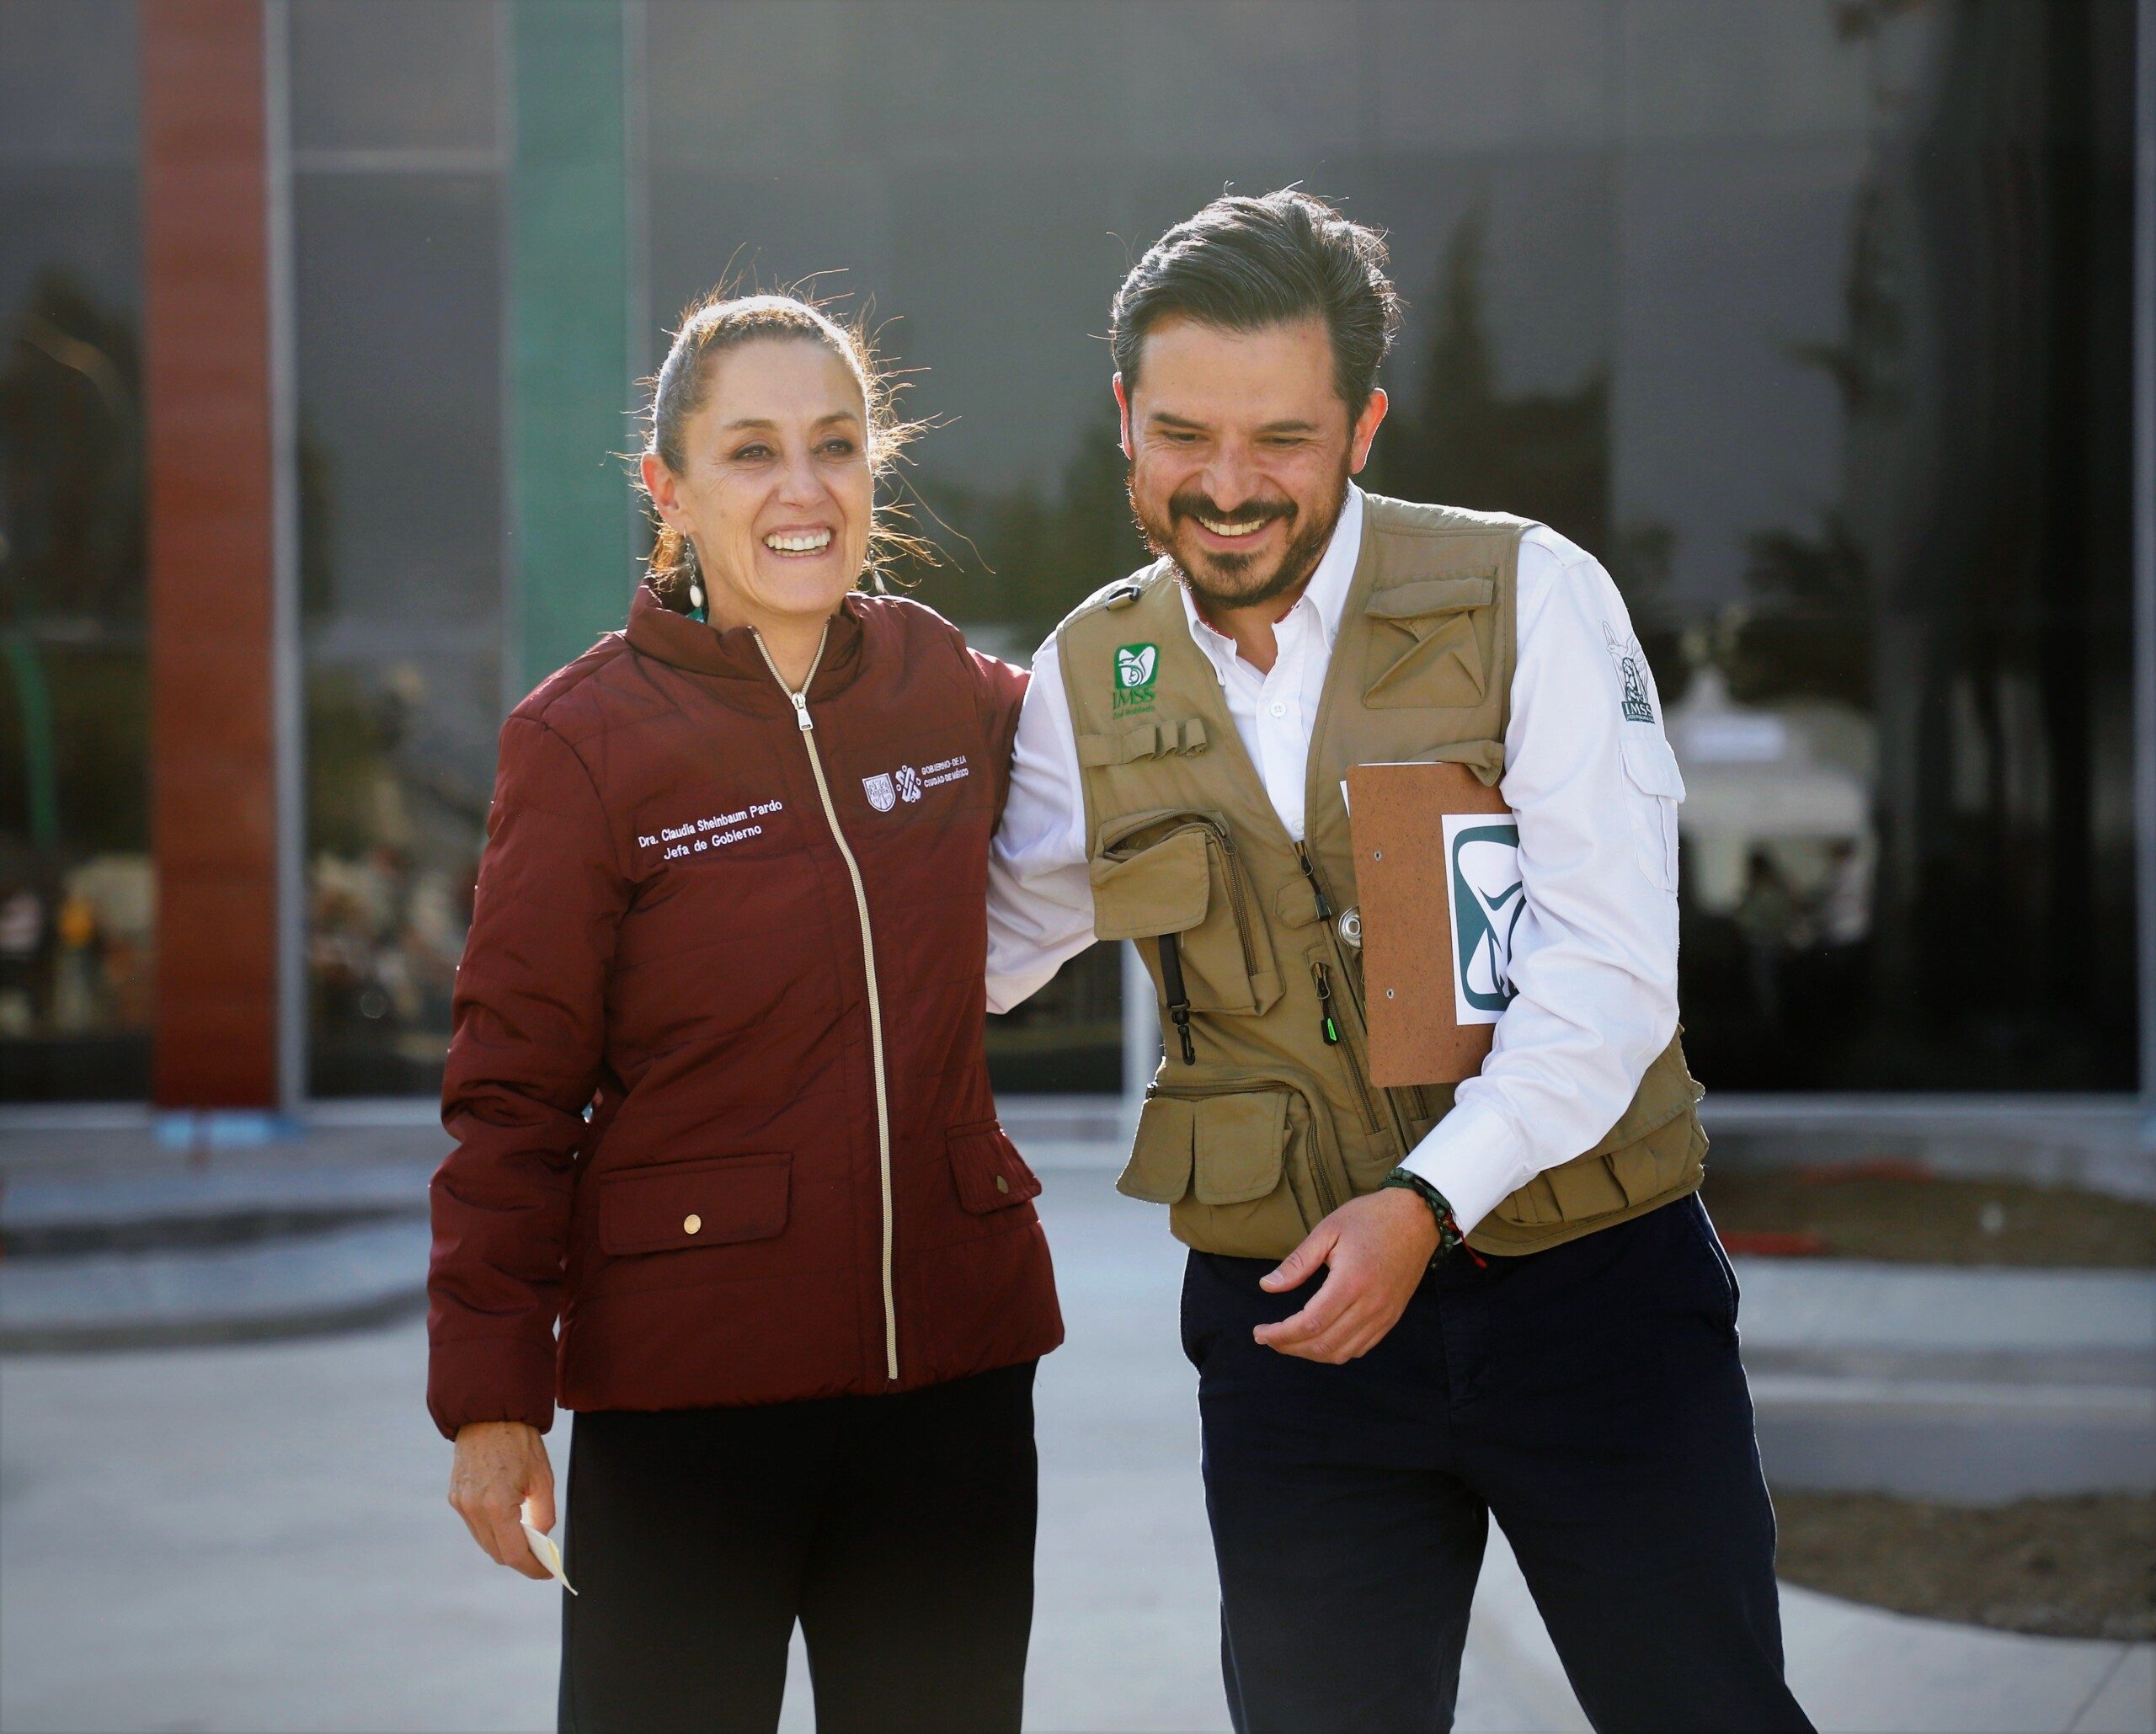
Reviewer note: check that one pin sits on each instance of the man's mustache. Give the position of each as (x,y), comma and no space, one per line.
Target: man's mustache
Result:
(1192,503)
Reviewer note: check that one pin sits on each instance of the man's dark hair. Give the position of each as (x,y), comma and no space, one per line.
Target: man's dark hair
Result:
(1242,263)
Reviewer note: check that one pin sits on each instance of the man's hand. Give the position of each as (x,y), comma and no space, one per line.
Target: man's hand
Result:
(1376,1249)
(501,1465)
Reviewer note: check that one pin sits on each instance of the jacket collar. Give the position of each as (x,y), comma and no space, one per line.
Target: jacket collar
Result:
(657,632)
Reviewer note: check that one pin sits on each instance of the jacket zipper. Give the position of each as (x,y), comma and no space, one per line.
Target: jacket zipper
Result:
(1323,977)
(868,962)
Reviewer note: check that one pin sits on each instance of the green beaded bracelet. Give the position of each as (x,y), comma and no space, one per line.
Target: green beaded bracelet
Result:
(1449,1233)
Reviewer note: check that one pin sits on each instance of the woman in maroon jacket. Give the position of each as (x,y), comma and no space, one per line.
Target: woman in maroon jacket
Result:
(721,1109)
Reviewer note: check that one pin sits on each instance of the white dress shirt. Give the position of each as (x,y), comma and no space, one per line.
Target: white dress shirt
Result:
(1595,788)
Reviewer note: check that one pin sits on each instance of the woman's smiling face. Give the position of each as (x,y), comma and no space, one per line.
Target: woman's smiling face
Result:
(775,488)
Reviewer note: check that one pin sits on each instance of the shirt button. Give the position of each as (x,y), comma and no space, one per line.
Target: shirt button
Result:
(692,1224)
(1001,1184)
(1278,708)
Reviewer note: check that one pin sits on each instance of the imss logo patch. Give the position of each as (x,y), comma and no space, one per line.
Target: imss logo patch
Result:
(1631,662)
(1135,667)
(1482,857)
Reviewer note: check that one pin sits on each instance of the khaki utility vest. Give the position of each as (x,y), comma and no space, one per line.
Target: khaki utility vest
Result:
(1276,1124)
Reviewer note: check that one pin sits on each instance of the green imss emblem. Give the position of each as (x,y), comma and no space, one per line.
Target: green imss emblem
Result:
(1135,667)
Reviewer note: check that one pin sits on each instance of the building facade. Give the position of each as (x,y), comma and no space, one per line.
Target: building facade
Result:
(1815,319)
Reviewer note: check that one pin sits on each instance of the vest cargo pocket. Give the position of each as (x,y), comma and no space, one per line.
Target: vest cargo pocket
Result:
(1166,888)
(1160,873)
(1424,651)
(1662,1161)
(1653,1152)
(1240,1203)
(1161,1155)
(1241,1142)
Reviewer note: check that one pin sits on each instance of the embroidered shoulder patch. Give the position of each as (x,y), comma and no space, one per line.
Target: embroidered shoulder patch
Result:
(1638,700)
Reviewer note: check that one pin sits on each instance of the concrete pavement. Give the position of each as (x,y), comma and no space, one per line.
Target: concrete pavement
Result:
(254,1538)
(1974,1384)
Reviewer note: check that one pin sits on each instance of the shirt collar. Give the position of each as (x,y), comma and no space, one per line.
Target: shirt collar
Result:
(1328,590)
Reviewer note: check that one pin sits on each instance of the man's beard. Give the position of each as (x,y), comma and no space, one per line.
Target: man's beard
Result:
(1219,581)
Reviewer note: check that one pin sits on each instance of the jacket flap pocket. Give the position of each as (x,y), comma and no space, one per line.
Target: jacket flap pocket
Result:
(1242,1142)
(1651,767)
(988,1170)
(1431,595)
(1163,889)
(670,1206)
(1159,1168)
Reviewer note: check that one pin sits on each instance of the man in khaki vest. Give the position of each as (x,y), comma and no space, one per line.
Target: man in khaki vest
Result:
(1412,1308)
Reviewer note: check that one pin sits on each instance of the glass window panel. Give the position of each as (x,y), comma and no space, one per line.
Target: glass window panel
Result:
(1726,293)
(399,337)
(1488,73)
(76,912)
(1871,448)
(394,75)
(69,88)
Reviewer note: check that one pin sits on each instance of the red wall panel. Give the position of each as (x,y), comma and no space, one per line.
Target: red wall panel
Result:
(212,606)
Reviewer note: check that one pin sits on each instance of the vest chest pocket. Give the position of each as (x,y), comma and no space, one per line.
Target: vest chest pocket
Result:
(1178,873)
(1424,652)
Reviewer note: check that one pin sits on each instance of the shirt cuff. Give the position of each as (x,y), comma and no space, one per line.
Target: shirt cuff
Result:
(1471,1156)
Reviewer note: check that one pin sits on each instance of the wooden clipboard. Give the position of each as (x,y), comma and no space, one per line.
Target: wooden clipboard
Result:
(1406,877)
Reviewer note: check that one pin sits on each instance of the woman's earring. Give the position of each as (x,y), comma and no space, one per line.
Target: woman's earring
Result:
(696,610)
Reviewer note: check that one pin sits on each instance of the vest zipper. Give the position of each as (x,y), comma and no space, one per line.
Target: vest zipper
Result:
(868,963)
(1322,975)
(1232,869)
(1328,1026)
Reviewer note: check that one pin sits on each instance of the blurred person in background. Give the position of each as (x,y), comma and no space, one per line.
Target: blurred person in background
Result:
(722,1110)
(1409,1310)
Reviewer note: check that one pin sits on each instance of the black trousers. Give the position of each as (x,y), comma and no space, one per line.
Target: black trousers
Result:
(1589,1396)
(898,1530)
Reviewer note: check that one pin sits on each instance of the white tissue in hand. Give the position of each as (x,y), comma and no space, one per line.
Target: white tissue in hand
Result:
(549,1554)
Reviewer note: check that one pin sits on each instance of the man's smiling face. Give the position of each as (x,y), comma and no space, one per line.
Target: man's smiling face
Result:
(1240,448)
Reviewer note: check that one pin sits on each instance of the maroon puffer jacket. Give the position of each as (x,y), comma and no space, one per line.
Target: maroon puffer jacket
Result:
(791,1182)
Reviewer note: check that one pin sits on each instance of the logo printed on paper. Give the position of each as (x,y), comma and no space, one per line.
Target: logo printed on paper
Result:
(1638,702)
(1487,901)
(1135,667)
(881,796)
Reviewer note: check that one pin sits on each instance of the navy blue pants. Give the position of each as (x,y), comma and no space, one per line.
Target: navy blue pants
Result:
(1588,1397)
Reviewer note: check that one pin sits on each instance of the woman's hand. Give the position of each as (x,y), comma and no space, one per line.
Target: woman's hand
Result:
(501,1465)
